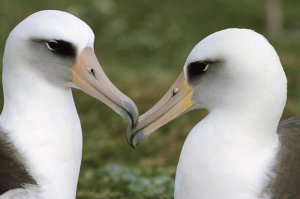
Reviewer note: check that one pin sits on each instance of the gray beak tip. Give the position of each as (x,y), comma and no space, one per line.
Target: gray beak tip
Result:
(130,137)
(130,113)
(134,138)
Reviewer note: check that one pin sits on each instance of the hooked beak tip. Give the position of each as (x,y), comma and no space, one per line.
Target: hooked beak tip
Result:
(130,113)
(134,137)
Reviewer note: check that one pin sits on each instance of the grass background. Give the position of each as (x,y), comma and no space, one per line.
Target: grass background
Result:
(142,46)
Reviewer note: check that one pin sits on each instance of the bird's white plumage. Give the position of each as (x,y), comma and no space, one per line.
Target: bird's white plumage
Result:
(39,114)
(229,154)
(30,192)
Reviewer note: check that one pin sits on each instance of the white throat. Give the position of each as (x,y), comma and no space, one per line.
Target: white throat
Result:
(42,122)
(227,155)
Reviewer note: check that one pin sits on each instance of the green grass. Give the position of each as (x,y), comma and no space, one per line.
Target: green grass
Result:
(142,46)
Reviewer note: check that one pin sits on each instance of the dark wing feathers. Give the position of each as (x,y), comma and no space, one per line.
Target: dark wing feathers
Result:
(13,173)
(286,183)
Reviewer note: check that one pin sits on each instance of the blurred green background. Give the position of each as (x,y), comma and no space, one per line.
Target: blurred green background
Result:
(142,46)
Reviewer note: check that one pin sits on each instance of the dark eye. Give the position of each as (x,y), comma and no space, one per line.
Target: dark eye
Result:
(62,48)
(196,69)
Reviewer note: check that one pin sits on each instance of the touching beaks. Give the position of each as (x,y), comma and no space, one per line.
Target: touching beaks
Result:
(177,101)
(88,75)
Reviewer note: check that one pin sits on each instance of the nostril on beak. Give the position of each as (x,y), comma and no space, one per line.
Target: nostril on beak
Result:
(93,72)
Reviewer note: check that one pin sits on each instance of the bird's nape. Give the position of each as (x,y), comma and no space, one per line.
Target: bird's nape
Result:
(46,55)
(237,76)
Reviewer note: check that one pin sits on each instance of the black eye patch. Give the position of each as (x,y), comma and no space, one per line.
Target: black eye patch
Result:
(196,69)
(61,48)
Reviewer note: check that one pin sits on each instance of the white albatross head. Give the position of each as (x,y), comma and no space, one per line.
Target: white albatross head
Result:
(58,48)
(234,70)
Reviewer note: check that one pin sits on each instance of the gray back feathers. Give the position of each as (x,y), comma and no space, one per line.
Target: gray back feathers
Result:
(286,183)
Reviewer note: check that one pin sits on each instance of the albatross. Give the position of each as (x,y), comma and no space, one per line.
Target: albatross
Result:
(240,150)
(45,56)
